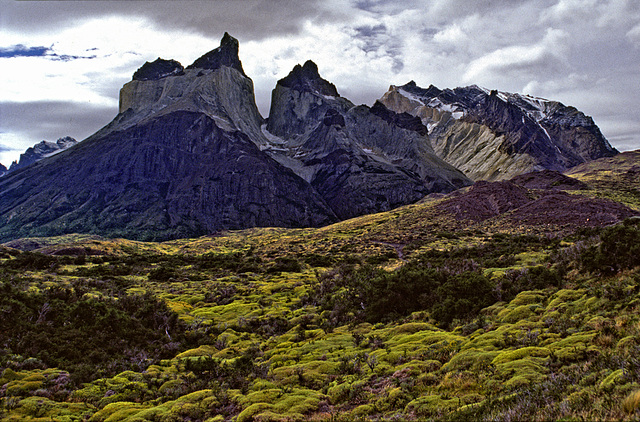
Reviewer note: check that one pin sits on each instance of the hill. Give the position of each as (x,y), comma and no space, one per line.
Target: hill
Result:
(616,178)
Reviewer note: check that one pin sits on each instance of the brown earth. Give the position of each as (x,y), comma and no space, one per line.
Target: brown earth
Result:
(512,204)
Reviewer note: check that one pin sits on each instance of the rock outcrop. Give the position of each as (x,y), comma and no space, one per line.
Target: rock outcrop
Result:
(158,69)
(214,84)
(492,135)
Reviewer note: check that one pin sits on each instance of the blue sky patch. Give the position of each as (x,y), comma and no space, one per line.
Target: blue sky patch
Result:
(21,50)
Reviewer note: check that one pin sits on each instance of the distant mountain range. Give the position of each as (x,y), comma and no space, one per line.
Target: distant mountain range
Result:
(493,135)
(189,154)
(39,151)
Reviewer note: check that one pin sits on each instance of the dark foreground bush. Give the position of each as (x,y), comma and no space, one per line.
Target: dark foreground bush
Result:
(87,336)
(619,249)
(374,295)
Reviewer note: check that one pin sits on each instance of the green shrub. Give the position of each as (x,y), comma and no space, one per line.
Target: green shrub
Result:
(90,337)
(619,249)
(249,414)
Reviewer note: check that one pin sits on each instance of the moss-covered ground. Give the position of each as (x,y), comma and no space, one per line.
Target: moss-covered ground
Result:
(395,316)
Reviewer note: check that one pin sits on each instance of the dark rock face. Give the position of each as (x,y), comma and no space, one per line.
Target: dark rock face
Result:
(403,120)
(333,118)
(307,79)
(225,55)
(301,100)
(42,150)
(3,170)
(178,175)
(158,69)
(352,182)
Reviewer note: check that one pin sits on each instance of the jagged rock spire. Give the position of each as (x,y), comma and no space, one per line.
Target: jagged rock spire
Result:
(225,55)
(307,79)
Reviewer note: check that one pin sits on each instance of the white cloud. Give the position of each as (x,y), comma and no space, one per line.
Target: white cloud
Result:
(520,61)
(11,145)
(120,45)
(565,10)
(634,35)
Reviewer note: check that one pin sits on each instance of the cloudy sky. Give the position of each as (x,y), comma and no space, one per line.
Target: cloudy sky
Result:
(62,63)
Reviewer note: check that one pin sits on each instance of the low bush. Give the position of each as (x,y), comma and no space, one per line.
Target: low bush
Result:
(90,337)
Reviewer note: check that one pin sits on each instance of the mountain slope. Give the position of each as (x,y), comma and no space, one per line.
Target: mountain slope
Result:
(616,177)
(177,175)
(492,135)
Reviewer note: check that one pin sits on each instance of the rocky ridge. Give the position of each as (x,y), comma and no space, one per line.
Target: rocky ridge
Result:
(492,135)
(41,150)
(344,151)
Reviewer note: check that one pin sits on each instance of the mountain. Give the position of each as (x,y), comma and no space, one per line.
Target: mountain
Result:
(360,159)
(189,154)
(492,135)
(39,151)
(3,170)
(177,161)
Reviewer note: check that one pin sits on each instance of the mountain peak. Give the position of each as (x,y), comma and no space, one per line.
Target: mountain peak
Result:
(225,55)
(158,69)
(412,87)
(307,79)
(42,150)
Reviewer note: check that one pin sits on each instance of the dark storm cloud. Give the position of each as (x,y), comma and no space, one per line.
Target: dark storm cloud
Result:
(49,120)
(248,19)
(371,35)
